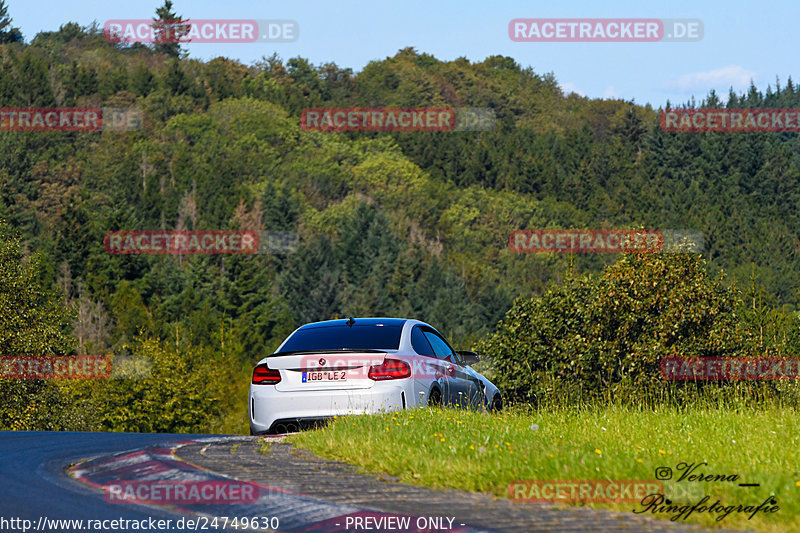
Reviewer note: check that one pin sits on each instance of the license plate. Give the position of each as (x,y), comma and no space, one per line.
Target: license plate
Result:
(325,375)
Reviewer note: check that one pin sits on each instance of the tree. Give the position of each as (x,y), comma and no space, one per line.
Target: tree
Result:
(32,73)
(8,86)
(8,34)
(33,322)
(175,80)
(143,82)
(169,30)
(32,316)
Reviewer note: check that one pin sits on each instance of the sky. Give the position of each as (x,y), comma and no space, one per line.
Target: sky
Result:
(742,40)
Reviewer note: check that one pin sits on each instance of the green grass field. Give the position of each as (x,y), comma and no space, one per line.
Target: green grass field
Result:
(485,452)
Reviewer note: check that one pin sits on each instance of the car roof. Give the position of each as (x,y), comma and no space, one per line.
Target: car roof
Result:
(358,322)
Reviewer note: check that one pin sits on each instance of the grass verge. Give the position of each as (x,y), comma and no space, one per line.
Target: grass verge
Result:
(485,452)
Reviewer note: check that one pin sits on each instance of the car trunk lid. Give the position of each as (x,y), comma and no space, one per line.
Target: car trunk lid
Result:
(322,370)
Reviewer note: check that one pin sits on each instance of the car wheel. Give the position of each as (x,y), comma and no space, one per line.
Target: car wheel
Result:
(435,398)
(497,403)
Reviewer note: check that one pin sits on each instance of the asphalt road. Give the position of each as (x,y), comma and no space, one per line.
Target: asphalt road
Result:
(33,483)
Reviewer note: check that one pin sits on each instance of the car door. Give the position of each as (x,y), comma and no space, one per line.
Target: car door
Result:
(477,391)
(468,383)
(433,368)
(457,387)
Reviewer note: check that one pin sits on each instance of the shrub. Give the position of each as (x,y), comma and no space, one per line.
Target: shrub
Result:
(603,336)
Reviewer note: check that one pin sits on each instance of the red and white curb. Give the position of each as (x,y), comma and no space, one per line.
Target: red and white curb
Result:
(295,512)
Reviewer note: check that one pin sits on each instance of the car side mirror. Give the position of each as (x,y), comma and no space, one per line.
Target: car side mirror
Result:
(469,358)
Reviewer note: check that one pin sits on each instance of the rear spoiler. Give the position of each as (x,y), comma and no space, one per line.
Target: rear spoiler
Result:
(343,350)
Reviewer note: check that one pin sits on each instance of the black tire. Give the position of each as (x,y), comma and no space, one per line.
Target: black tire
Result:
(435,398)
(497,403)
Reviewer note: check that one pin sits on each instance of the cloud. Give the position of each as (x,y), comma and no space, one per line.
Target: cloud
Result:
(720,79)
(569,87)
(611,92)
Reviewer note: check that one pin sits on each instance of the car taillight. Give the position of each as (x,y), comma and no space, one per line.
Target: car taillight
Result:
(390,369)
(264,375)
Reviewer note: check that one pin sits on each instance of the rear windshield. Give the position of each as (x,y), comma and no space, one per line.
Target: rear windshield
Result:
(339,337)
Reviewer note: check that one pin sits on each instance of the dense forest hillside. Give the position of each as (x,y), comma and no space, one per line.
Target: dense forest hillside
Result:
(409,224)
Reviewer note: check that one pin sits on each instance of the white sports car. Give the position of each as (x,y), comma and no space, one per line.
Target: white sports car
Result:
(363,365)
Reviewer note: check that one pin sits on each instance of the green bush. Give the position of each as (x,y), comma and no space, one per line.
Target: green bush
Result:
(33,321)
(158,388)
(603,336)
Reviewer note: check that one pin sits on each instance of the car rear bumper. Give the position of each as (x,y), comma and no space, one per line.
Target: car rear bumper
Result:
(270,408)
